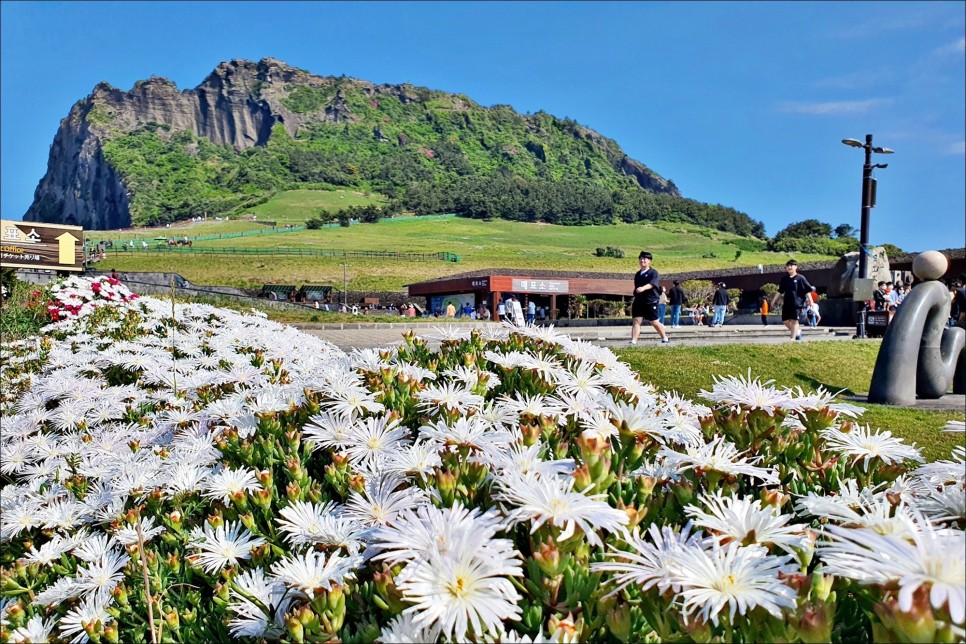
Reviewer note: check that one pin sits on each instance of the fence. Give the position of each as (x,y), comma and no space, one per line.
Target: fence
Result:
(293,252)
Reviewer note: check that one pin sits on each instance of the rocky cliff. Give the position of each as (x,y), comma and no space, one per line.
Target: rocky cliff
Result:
(110,162)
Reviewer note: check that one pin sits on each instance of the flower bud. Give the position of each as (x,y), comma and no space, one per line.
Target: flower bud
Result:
(172,620)
(815,624)
(265,478)
(174,519)
(295,629)
(293,491)
(262,498)
(547,556)
(248,521)
(582,477)
(110,634)
(774,498)
(216,520)
(619,622)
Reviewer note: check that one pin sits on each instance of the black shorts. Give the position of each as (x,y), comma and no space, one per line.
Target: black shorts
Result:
(644,309)
(791,313)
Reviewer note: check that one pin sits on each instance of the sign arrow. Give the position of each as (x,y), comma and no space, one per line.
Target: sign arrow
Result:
(65,246)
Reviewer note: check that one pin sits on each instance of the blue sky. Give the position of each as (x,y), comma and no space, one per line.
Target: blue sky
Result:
(742,104)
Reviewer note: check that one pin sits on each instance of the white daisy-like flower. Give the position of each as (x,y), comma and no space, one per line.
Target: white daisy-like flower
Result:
(313,571)
(647,563)
(739,391)
(450,396)
(861,443)
(552,500)
(223,546)
(923,555)
(739,578)
(373,440)
(90,610)
(743,519)
(402,629)
(381,499)
(719,455)
(461,592)
(421,458)
(222,485)
(265,616)
(37,629)
(100,577)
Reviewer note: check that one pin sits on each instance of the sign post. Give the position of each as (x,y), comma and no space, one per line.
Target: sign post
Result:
(53,247)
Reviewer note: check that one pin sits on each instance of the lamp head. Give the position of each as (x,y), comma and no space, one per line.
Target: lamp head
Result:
(883,150)
(855,143)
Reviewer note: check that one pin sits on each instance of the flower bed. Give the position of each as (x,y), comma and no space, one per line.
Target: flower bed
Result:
(513,485)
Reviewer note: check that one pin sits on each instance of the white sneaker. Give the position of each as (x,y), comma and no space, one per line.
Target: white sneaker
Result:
(631,343)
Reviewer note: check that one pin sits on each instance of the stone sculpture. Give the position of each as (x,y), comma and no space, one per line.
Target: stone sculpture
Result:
(919,355)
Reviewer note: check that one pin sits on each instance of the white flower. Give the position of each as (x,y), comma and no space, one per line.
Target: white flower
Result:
(460,591)
(259,605)
(922,555)
(738,391)
(373,440)
(223,546)
(719,455)
(862,443)
(647,564)
(309,523)
(313,571)
(36,630)
(552,500)
(381,501)
(89,610)
(739,578)
(227,482)
(422,457)
(743,519)
(402,629)
(450,396)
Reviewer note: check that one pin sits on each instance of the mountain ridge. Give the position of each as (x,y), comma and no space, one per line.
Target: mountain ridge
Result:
(156,153)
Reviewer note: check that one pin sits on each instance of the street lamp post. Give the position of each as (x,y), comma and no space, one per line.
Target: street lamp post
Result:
(868,203)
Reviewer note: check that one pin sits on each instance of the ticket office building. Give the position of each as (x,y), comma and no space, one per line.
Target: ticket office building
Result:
(551,290)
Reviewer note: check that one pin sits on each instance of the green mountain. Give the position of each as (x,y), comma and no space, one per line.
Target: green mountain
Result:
(157,154)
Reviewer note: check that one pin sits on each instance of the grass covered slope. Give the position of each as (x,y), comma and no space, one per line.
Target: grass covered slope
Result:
(232,478)
(481,244)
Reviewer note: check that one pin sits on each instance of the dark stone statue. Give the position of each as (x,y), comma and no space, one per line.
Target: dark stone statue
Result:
(919,355)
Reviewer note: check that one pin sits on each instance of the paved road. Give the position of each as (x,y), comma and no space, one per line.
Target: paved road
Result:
(380,335)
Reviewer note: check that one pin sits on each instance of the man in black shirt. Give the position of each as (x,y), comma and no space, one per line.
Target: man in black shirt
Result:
(646,294)
(676,299)
(795,288)
(720,303)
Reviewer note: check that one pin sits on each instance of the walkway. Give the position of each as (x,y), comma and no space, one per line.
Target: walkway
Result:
(362,335)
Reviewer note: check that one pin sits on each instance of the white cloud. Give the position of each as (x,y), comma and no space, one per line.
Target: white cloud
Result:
(952,48)
(958,148)
(823,108)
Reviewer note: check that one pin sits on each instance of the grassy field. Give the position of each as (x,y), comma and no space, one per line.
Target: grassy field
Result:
(834,365)
(289,207)
(481,244)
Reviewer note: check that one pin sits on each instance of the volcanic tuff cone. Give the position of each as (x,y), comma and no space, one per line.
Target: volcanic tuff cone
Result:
(157,153)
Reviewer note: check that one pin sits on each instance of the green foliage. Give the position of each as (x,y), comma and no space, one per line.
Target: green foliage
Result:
(24,311)
(610,251)
(891,250)
(806,229)
(305,99)
(845,230)
(820,245)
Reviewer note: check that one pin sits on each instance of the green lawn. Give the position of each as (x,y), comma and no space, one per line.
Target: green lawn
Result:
(481,244)
(295,206)
(834,365)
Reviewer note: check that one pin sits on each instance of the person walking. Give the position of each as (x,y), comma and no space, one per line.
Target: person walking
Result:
(450,310)
(646,294)
(795,288)
(721,300)
(676,299)
(662,304)
(531,312)
(763,305)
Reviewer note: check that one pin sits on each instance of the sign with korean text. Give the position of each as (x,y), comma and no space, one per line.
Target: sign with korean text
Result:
(541,286)
(25,244)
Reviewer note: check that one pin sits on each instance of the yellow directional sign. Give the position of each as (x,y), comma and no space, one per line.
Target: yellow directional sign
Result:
(26,244)
(66,244)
